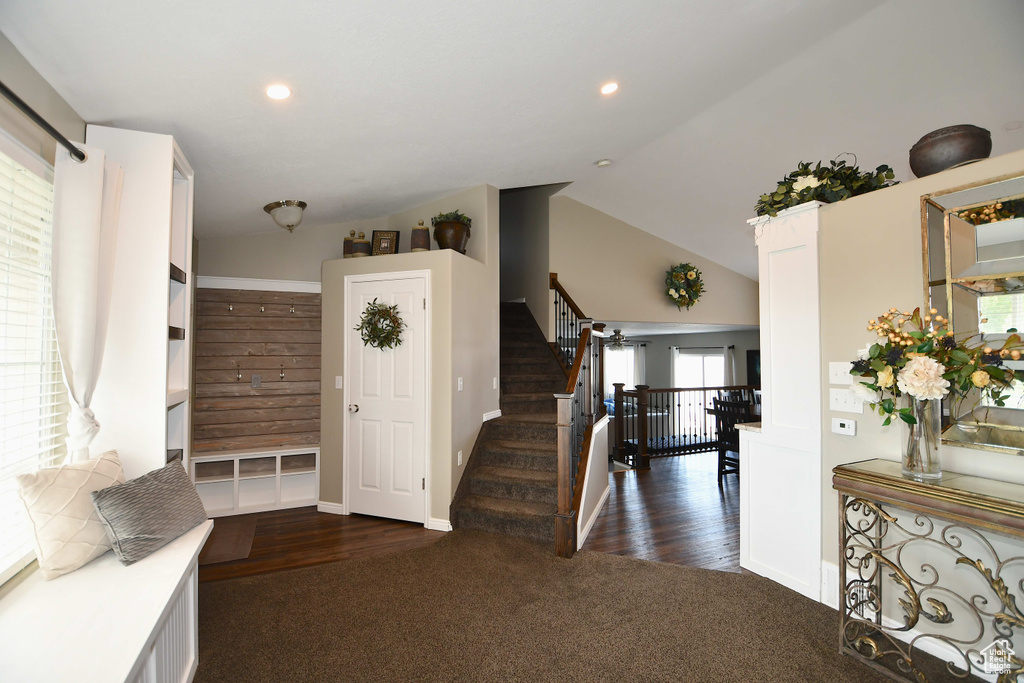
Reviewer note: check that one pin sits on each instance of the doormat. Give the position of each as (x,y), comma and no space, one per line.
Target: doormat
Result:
(231,539)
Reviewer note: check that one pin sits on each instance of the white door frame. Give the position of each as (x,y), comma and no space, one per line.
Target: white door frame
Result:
(381,277)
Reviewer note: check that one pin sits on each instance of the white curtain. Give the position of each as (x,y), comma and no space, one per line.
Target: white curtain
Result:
(86,206)
(730,366)
(639,364)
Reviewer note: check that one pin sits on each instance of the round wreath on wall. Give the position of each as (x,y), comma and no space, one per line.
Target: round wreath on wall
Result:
(683,285)
(380,326)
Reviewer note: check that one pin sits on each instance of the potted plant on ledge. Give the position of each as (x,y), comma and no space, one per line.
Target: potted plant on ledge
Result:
(451,230)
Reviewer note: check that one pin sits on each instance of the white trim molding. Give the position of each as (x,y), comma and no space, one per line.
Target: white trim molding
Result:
(331,508)
(438,524)
(493,414)
(582,538)
(256,284)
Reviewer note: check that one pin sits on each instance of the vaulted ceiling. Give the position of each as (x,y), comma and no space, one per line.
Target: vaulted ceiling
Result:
(398,103)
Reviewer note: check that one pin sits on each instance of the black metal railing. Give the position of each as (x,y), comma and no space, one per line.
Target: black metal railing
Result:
(568,324)
(658,422)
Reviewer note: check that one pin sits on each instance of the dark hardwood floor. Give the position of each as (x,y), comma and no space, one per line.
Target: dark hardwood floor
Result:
(674,513)
(287,539)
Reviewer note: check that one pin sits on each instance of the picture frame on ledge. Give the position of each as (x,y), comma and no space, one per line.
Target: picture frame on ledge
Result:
(385,242)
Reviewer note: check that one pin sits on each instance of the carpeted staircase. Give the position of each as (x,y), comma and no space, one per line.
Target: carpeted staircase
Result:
(510,483)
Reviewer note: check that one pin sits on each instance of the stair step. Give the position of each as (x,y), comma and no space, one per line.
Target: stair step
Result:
(535,486)
(515,404)
(530,366)
(522,455)
(508,517)
(527,385)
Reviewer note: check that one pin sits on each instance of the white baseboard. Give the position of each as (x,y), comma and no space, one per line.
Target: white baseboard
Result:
(581,538)
(438,524)
(491,415)
(830,584)
(332,508)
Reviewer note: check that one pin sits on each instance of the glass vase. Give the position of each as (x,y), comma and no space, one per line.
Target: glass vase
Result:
(921,440)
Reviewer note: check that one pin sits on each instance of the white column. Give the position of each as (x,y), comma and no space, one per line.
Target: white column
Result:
(780,468)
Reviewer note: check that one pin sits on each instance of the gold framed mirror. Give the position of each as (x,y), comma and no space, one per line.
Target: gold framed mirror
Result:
(973,239)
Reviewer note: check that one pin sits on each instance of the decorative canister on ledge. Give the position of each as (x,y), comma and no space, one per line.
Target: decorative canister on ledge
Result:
(948,148)
(420,238)
(360,246)
(346,252)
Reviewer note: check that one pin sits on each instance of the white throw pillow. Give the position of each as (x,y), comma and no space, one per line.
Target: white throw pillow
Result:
(67,531)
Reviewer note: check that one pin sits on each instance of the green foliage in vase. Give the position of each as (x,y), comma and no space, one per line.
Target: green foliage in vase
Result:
(832,183)
(452,216)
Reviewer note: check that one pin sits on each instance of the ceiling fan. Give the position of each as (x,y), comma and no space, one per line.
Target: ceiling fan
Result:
(618,340)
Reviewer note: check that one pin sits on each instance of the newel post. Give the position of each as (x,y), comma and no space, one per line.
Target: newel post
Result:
(643,461)
(565,517)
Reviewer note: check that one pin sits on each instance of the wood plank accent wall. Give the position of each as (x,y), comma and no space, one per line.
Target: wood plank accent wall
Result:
(233,332)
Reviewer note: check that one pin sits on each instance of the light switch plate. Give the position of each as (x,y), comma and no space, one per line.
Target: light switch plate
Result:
(495,383)
(839,373)
(460,459)
(843,401)
(844,426)
(460,384)
(339,382)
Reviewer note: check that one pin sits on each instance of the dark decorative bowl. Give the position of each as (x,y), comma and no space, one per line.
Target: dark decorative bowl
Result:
(948,147)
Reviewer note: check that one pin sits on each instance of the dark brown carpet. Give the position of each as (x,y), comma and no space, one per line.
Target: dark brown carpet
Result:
(231,539)
(480,607)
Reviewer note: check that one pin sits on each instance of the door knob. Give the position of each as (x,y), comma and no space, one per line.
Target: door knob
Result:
(354,408)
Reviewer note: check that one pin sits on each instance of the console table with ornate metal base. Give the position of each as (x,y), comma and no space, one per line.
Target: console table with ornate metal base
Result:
(935,548)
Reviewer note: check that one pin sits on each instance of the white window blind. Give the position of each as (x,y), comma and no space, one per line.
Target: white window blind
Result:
(33,400)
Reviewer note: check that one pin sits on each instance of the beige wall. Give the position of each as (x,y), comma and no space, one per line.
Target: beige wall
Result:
(463,343)
(615,271)
(871,260)
(659,354)
(525,247)
(27,84)
(280,255)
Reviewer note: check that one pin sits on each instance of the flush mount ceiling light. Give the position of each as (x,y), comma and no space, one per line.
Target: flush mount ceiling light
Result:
(279,92)
(603,163)
(286,213)
(616,340)
(609,88)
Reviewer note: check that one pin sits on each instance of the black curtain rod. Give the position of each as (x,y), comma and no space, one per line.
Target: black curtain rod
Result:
(76,154)
(701,348)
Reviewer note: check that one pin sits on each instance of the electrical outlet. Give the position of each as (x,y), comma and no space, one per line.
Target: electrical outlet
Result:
(839,373)
(255,381)
(844,426)
(339,382)
(460,459)
(843,401)
(460,384)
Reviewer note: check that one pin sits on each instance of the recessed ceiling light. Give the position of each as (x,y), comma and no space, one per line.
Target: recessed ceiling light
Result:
(279,92)
(609,88)
(603,162)
(1013,126)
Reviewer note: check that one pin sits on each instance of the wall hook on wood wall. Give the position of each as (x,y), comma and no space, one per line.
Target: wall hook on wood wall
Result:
(238,373)
(261,305)
(292,309)
(231,307)
(282,372)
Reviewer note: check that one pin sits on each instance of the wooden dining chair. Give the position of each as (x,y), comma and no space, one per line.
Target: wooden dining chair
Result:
(727,415)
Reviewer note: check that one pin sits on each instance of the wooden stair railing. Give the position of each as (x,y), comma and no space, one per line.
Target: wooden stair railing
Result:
(577,347)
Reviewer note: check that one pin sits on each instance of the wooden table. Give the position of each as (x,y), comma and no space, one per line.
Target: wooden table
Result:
(928,562)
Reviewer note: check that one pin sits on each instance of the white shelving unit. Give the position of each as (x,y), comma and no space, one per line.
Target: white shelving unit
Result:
(142,398)
(240,482)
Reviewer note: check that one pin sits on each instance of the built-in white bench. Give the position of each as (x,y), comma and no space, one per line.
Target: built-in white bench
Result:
(107,622)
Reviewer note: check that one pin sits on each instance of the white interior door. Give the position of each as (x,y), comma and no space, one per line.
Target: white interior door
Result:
(385,431)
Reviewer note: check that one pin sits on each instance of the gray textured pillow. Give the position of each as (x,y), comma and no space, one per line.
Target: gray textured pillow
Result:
(147,513)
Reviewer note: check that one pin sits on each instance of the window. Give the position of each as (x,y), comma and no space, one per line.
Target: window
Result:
(33,400)
(698,369)
(623,364)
